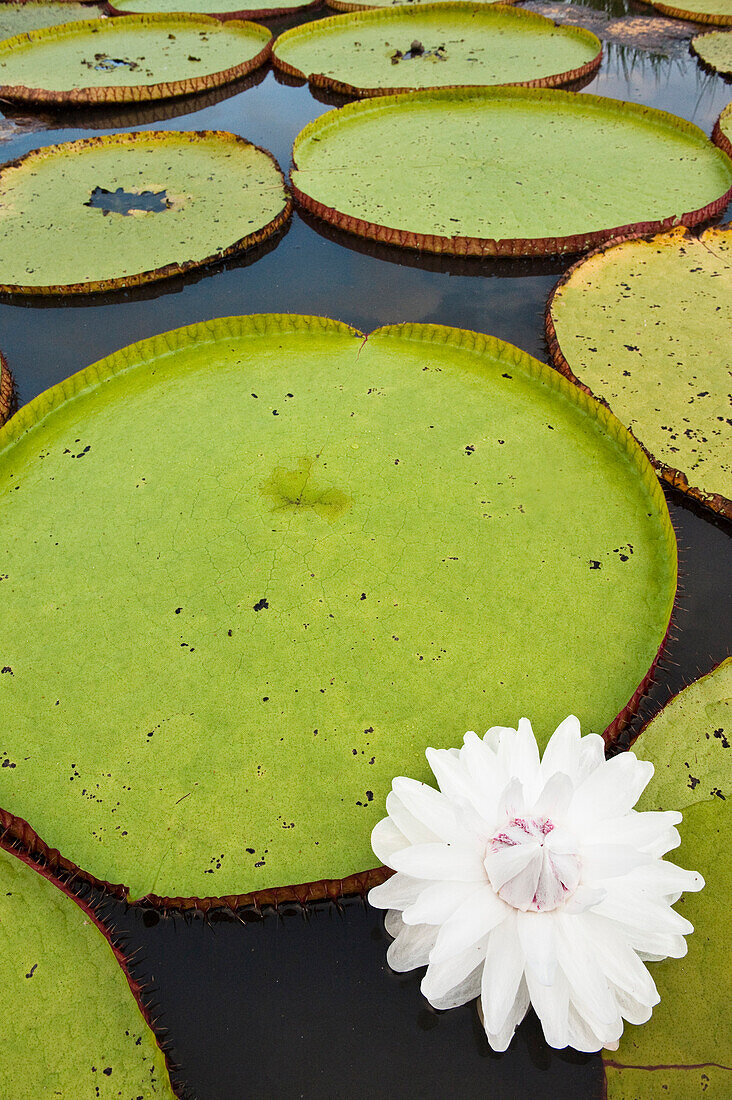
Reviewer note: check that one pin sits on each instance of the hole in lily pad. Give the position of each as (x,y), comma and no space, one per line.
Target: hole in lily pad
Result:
(128,202)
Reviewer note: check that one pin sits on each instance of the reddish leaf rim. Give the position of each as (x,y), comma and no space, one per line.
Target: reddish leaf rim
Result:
(89,910)
(167,270)
(719,137)
(369,15)
(133,93)
(360,882)
(7,390)
(345,6)
(509,246)
(677,479)
(225,16)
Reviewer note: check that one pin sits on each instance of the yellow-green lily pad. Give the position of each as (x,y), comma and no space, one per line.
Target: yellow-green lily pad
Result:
(73,1024)
(221,9)
(718,12)
(30,16)
(365,5)
(429,45)
(683,1051)
(269,560)
(125,209)
(129,59)
(505,171)
(645,325)
(715,50)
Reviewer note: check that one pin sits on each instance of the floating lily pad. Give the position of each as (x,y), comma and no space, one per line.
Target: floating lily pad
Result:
(644,326)
(267,561)
(221,9)
(73,1025)
(218,194)
(29,16)
(718,12)
(722,134)
(369,53)
(129,59)
(485,171)
(715,50)
(680,1053)
(347,5)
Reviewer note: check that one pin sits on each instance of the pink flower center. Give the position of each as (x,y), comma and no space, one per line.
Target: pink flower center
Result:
(529,868)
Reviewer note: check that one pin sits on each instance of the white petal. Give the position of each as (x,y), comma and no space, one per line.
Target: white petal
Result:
(584,897)
(619,961)
(665,879)
(499,1040)
(651,831)
(583,1037)
(453,780)
(502,973)
(393,922)
(386,839)
(611,790)
(438,901)
(635,908)
(397,892)
(653,946)
(468,990)
(504,861)
(601,861)
(551,1005)
(511,803)
(411,948)
(538,941)
(591,757)
(428,807)
(520,753)
(472,920)
(447,979)
(440,861)
(562,751)
(488,778)
(631,1009)
(493,737)
(588,987)
(554,800)
(414,830)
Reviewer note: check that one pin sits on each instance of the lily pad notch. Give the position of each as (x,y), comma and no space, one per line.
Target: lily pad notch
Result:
(470,25)
(630,258)
(333,140)
(118,1040)
(248,41)
(353,740)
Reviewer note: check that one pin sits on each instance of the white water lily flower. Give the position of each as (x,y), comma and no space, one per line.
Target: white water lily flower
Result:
(533,882)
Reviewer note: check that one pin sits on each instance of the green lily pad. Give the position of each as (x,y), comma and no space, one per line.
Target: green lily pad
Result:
(681,1052)
(367,168)
(642,325)
(268,561)
(30,16)
(347,5)
(73,1026)
(367,53)
(718,12)
(128,59)
(130,208)
(715,50)
(722,134)
(221,9)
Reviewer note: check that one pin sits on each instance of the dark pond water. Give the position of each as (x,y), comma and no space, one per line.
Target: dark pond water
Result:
(303,1005)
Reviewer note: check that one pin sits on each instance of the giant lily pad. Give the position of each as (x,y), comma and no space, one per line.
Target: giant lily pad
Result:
(700,11)
(645,326)
(29,15)
(132,58)
(365,5)
(722,133)
(125,209)
(73,1024)
(221,9)
(252,568)
(505,171)
(368,53)
(681,1052)
(715,50)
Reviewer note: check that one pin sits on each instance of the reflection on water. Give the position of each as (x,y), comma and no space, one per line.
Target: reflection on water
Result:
(249,1008)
